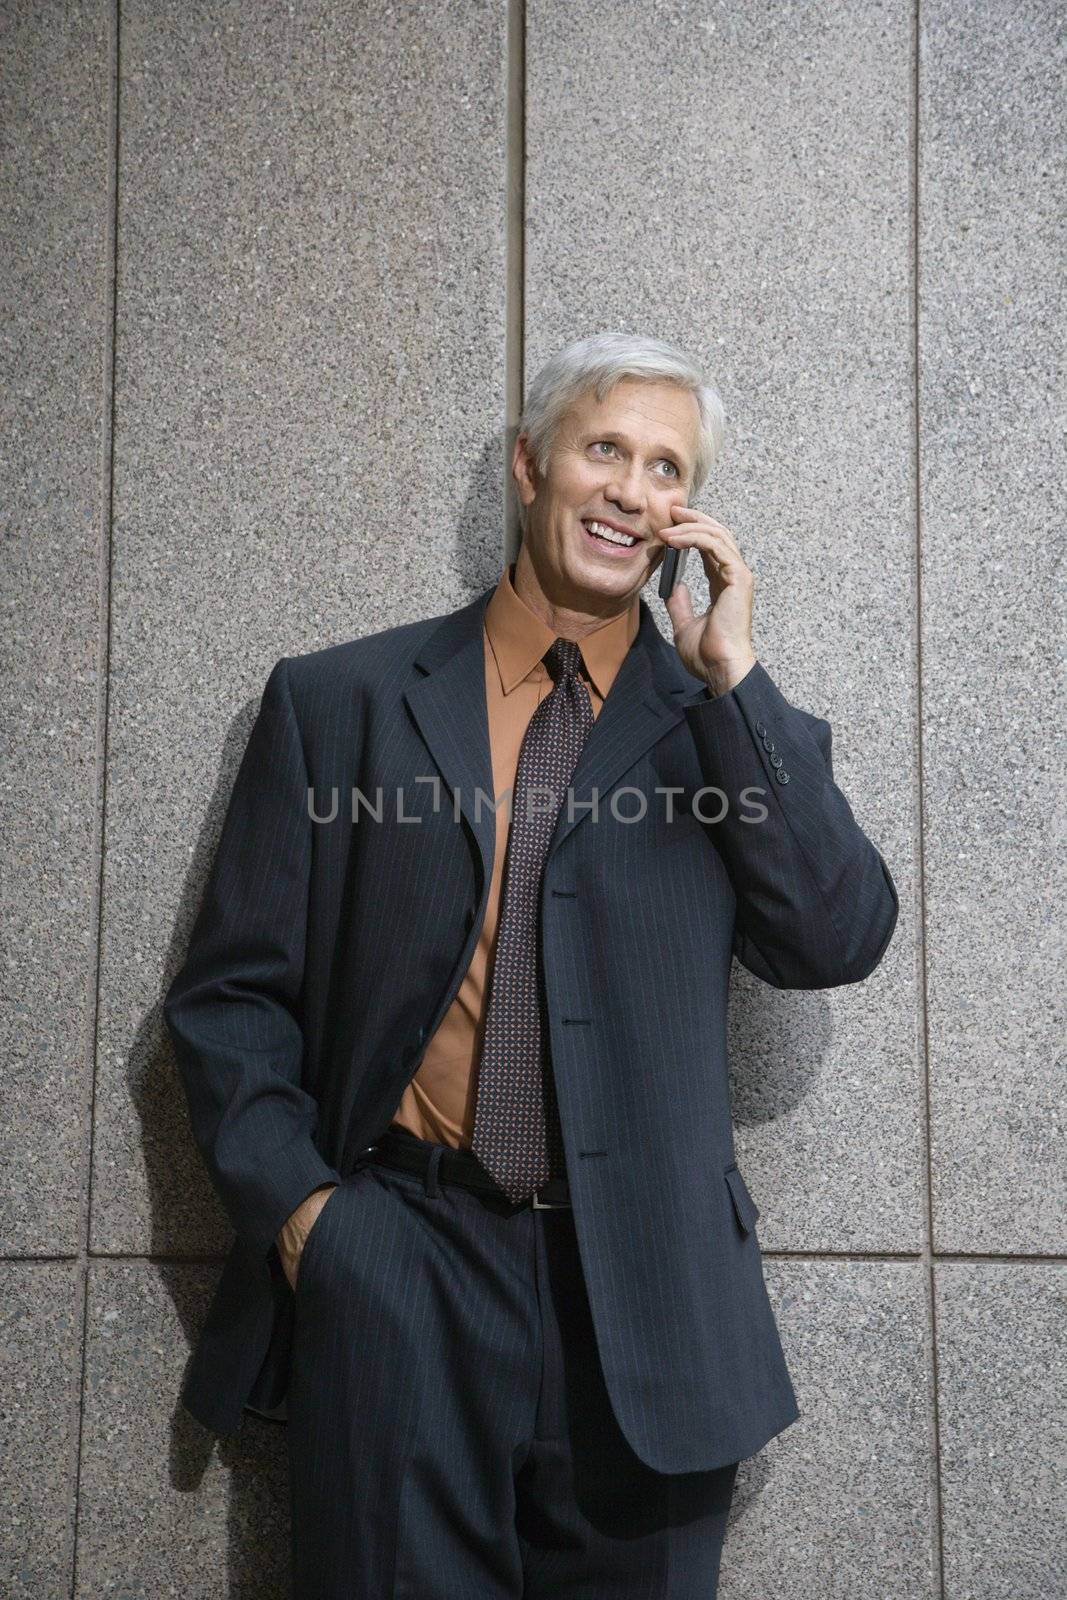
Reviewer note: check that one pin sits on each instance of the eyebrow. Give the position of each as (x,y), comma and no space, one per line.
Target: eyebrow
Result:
(593,434)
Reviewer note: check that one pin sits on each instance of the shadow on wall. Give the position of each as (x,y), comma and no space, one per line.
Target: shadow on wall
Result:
(187,1216)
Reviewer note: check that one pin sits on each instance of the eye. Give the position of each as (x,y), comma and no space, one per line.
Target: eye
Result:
(609,444)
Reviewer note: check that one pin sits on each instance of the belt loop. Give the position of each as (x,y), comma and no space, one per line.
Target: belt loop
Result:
(366,1157)
(432,1187)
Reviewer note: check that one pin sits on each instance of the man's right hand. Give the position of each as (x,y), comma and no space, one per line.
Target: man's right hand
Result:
(294,1233)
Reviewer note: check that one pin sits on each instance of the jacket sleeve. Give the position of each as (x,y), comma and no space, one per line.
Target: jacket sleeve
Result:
(233,1008)
(816,905)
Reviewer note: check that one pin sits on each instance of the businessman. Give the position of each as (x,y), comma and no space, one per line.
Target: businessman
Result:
(452,1029)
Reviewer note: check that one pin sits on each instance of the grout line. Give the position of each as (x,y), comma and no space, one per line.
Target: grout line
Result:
(922,1255)
(515,260)
(103,667)
(929,1254)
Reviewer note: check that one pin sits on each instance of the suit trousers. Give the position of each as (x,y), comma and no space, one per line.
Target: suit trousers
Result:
(450,1435)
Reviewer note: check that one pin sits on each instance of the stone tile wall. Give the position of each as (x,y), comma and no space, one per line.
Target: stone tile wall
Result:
(272,276)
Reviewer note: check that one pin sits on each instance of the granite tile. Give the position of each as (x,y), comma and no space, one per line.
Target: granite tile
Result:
(737,180)
(54,63)
(167,1508)
(841,1503)
(40,1354)
(1002,1422)
(308,447)
(994,690)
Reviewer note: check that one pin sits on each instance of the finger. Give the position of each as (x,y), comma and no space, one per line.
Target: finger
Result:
(701,520)
(723,553)
(715,530)
(679,605)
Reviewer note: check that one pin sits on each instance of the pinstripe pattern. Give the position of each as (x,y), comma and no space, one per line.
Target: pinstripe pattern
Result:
(450,1437)
(325,954)
(814,897)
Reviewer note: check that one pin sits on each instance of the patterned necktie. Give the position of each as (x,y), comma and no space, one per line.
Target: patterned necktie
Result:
(517,1136)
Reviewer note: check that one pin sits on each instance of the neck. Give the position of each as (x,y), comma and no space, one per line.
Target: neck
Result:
(567,618)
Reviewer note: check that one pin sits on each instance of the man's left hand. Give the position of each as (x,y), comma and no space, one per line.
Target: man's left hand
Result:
(718,645)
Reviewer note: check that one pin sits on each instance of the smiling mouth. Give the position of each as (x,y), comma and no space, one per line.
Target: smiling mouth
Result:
(608,538)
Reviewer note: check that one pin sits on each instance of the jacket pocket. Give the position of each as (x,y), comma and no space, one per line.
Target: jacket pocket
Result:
(745,1207)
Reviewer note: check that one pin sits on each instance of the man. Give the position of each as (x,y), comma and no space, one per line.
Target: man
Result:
(452,1028)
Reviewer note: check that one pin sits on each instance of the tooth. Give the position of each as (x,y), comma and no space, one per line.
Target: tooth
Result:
(611,534)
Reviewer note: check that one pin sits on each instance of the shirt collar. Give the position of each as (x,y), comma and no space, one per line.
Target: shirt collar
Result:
(519,638)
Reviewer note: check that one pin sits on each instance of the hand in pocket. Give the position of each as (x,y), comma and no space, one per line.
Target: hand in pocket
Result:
(295,1233)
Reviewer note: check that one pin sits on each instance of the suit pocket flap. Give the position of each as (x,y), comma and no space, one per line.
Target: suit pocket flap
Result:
(746,1208)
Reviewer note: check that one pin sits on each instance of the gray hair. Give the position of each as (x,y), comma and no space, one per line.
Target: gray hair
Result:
(598,362)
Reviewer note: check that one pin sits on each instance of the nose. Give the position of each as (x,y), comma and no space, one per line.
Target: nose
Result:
(627,489)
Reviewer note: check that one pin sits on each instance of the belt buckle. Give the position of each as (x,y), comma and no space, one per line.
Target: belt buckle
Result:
(548,1205)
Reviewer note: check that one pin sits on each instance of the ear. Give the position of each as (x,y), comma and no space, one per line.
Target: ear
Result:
(524,470)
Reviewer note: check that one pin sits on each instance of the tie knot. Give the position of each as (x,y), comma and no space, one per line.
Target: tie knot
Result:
(563,658)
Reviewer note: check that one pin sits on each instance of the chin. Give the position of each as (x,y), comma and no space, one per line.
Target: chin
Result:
(606,585)
(590,575)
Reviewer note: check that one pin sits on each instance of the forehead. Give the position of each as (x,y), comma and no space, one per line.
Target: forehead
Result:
(655,413)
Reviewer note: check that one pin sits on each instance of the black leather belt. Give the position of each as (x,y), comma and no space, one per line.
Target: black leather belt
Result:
(396,1147)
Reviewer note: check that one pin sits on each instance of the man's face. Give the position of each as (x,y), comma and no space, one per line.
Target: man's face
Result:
(625,460)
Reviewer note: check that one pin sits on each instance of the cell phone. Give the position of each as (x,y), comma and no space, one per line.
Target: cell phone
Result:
(671,569)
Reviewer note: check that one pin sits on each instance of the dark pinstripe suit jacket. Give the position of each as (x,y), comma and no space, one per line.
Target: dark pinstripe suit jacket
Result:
(325,953)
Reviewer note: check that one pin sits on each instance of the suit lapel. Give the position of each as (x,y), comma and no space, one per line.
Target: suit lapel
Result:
(641,706)
(449,708)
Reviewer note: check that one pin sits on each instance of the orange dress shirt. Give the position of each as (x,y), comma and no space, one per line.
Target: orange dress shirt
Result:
(438,1104)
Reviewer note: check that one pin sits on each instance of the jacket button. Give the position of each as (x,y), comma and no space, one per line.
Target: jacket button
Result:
(768,742)
(776,760)
(761,727)
(782,775)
